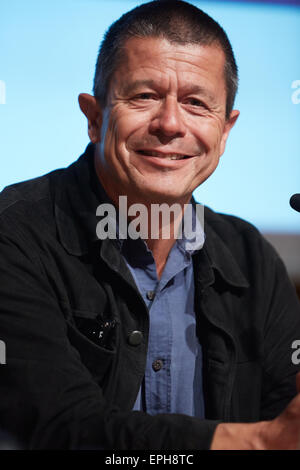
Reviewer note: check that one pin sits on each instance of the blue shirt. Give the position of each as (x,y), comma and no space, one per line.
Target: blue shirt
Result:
(173,377)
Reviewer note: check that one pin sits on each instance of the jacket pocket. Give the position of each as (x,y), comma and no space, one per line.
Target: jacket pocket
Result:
(95,340)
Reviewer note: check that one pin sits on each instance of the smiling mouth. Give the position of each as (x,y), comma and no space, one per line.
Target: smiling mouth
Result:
(166,156)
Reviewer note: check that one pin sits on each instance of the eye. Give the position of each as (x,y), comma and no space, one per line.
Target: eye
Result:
(145,96)
(195,102)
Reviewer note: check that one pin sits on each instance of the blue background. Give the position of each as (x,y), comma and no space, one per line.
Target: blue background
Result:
(48,51)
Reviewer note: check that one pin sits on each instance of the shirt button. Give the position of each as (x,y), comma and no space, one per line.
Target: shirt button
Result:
(150,294)
(135,338)
(157,365)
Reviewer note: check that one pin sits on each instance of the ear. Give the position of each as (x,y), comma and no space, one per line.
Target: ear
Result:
(229,123)
(92,110)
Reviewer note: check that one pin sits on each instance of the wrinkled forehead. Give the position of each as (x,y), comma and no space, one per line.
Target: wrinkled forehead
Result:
(160,50)
(157,59)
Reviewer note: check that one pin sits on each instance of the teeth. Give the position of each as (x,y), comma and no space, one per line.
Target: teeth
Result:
(175,157)
(168,156)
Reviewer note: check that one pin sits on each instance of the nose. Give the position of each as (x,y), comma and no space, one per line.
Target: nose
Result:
(168,122)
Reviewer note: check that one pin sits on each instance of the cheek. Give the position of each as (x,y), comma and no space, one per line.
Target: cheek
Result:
(123,131)
(202,129)
(114,134)
(210,135)
(128,125)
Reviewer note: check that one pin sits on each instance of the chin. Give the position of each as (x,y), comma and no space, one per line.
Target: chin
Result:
(160,195)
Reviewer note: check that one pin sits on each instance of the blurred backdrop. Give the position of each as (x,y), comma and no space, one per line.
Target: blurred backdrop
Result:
(48,51)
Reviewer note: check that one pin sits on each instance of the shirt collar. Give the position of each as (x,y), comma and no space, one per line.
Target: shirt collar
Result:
(190,240)
(77,193)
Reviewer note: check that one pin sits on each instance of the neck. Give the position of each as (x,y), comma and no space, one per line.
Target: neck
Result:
(166,237)
(160,250)
(162,228)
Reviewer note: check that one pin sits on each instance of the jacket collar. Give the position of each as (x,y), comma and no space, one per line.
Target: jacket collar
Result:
(77,193)
(216,257)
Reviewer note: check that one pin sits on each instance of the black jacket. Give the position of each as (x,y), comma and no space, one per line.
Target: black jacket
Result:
(69,305)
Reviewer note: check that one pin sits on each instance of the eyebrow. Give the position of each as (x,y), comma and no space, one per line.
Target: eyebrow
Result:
(139,83)
(189,88)
(197,90)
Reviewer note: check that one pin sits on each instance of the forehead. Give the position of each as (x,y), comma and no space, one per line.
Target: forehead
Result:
(158,58)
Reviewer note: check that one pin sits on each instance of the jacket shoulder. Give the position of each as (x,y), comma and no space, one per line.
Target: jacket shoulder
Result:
(27,206)
(226,224)
(244,241)
(30,191)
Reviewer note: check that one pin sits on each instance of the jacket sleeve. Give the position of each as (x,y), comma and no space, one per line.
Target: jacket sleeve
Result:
(281,332)
(48,398)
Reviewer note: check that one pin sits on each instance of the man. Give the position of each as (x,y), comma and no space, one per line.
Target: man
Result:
(131,344)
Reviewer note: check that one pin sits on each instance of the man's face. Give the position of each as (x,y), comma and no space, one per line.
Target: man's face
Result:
(163,129)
